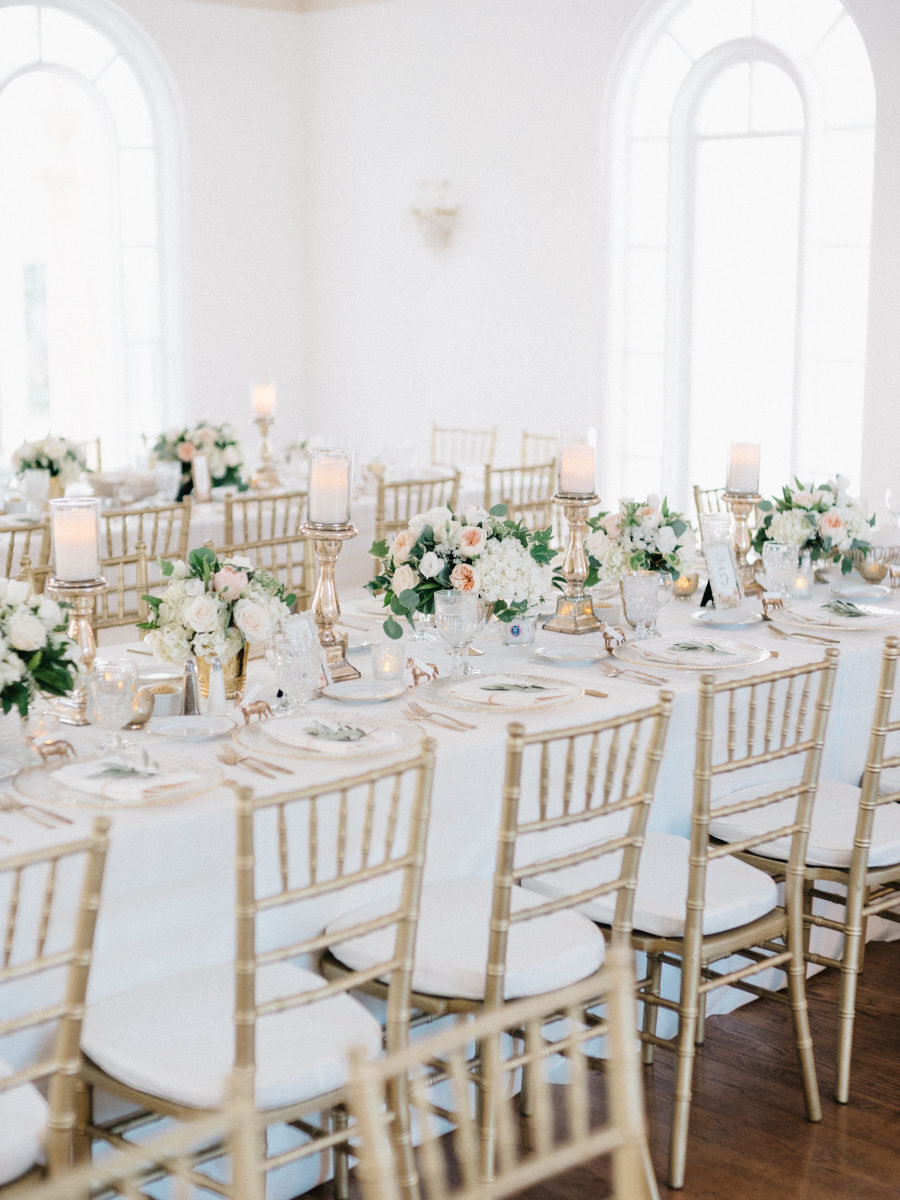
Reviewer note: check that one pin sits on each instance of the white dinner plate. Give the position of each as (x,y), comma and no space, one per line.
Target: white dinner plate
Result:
(364,691)
(692,652)
(570,656)
(195,728)
(838,613)
(501,693)
(727,618)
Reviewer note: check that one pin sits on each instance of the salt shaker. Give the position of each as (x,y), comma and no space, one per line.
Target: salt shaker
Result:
(190,705)
(217,703)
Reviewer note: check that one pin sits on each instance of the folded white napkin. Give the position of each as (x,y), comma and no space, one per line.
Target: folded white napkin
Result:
(91,778)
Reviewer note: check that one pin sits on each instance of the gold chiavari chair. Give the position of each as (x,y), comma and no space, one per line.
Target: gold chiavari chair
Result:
(123,603)
(162,528)
(169,1047)
(44,965)
(708,500)
(576,795)
(266,529)
(173,1156)
(27,550)
(461,448)
(527,492)
(556,1137)
(758,748)
(539,447)
(400,500)
(854,842)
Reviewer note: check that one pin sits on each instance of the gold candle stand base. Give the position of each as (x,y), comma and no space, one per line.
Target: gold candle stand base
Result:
(72,709)
(326,608)
(741,505)
(575,611)
(265,476)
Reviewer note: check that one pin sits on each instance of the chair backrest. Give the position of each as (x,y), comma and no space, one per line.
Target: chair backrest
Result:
(527,492)
(171,1157)
(708,500)
(758,750)
(883,733)
(397,502)
(352,840)
(580,1128)
(123,603)
(539,447)
(458,448)
(266,529)
(27,549)
(574,796)
(48,936)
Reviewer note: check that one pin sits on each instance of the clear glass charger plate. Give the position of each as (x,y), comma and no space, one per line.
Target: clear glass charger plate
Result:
(194,728)
(687,652)
(500,693)
(570,656)
(177,778)
(858,589)
(820,616)
(319,735)
(726,618)
(364,691)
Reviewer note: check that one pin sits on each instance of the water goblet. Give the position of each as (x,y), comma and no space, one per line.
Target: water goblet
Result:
(298,667)
(780,566)
(110,686)
(456,619)
(641,593)
(35,490)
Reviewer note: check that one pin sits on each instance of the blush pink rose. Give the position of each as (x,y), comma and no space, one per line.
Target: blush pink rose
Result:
(463,578)
(230,583)
(185,451)
(471,540)
(831,525)
(612,525)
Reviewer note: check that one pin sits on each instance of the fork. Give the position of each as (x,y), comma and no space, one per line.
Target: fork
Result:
(230,756)
(799,633)
(38,815)
(250,766)
(418,713)
(637,676)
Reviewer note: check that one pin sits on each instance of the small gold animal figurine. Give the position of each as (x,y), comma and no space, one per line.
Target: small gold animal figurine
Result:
(57,749)
(421,671)
(612,636)
(256,708)
(771,604)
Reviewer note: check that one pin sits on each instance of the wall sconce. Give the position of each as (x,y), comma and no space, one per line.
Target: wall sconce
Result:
(437,208)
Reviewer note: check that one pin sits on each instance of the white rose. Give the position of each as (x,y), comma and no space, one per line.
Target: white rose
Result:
(405,579)
(25,631)
(179,569)
(666,539)
(254,622)
(17,591)
(49,612)
(432,564)
(201,614)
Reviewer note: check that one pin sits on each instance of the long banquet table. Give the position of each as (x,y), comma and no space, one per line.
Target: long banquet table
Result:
(167,902)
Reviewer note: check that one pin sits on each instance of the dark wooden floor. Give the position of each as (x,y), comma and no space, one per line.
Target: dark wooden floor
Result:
(749,1138)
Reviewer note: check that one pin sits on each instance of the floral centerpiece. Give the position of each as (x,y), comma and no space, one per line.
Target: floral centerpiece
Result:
(641,536)
(501,560)
(36,655)
(220,444)
(57,455)
(214,608)
(823,519)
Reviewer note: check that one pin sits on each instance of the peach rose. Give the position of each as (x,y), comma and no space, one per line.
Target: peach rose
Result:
(831,525)
(229,583)
(401,546)
(185,451)
(612,525)
(471,540)
(463,578)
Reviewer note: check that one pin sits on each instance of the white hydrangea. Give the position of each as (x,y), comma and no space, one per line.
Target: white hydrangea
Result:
(508,572)
(791,526)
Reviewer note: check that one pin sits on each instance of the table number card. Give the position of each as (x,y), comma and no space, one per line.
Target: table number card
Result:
(724,580)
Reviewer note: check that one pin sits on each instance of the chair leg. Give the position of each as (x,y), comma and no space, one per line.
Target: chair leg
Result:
(82,1142)
(686,1049)
(851,966)
(341,1157)
(796,979)
(701,1021)
(651,1011)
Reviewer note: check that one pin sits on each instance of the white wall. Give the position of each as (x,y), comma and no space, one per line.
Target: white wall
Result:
(307,135)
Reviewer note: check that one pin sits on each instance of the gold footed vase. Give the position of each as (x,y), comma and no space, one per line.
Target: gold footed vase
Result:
(234,670)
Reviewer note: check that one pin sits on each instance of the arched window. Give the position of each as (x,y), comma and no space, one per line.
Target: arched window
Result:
(743,134)
(89,188)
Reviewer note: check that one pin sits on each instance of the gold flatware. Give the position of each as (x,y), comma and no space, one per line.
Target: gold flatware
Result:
(249,766)
(140,650)
(599,695)
(799,633)
(418,710)
(628,673)
(40,816)
(229,755)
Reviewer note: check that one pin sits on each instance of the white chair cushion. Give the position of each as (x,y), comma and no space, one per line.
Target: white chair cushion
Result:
(735,892)
(452,943)
(175,1038)
(23,1122)
(831,832)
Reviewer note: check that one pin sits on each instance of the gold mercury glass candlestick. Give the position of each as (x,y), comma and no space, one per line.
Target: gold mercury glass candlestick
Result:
(326,608)
(741,505)
(574,610)
(82,596)
(265,476)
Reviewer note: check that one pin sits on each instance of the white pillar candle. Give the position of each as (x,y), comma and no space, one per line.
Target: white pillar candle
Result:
(743,468)
(262,398)
(75,533)
(576,469)
(329,487)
